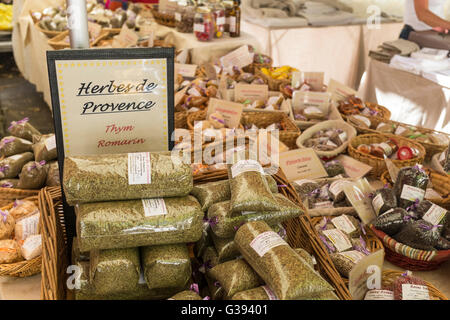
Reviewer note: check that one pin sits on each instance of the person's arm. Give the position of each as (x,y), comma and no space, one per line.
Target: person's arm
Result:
(428,17)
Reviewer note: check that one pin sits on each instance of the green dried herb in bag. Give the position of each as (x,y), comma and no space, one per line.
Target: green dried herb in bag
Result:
(77,255)
(10,146)
(224,222)
(213,192)
(216,291)
(107,178)
(235,276)
(44,147)
(210,259)
(114,271)
(283,270)
(410,185)
(186,295)
(249,188)
(11,166)
(23,129)
(33,175)
(305,256)
(205,240)
(53,175)
(127,224)
(166,266)
(265,293)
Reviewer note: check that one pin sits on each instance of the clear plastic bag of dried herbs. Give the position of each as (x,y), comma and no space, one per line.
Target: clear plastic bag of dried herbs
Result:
(392,221)
(44,147)
(112,177)
(186,295)
(132,223)
(410,185)
(11,166)
(249,188)
(224,222)
(33,175)
(53,175)
(10,146)
(166,266)
(23,129)
(283,270)
(419,234)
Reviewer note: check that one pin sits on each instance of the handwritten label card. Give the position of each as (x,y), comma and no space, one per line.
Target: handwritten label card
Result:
(251,92)
(231,111)
(186,70)
(353,168)
(240,58)
(300,164)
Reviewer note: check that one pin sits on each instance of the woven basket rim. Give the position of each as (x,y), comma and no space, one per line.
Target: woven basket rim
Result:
(336,124)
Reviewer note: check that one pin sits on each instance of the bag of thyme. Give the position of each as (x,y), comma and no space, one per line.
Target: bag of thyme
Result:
(10,146)
(166,266)
(134,223)
(115,270)
(23,129)
(11,166)
(283,270)
(125,176)
(410,185)
(44,147)
(212,192)
(249,188)
(224,222)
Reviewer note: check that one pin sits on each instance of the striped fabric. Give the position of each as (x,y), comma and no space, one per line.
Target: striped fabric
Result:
(407,251)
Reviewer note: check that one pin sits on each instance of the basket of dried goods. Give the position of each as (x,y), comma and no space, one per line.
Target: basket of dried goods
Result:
(372,148)
(259,61)
(355,106)
(276,76)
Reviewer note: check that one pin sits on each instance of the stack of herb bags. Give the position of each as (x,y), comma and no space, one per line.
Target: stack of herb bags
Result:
(134,219)
(27,158)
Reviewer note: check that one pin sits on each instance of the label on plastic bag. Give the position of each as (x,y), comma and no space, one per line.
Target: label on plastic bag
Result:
(435,214)
(50,143)
(343,223)
(154,207)
(412,193)
(379,295)
(246,166)
(29,226)
(270,293)
(266,241)
(354,256)
(139,168)
(414,292)
(377,203)
(338,238)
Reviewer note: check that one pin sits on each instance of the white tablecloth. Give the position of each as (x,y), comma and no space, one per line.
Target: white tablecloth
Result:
(340,51)
(411,98)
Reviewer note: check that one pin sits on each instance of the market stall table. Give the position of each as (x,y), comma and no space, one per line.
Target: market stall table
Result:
(339,51)
(411,98)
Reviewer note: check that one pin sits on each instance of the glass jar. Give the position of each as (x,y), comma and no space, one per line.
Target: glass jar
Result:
(184,16)
(229,5)
(204,24)
(218,11)
(235,20)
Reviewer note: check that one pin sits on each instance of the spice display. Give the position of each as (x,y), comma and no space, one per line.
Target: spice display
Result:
(209,193)
(33,175)
(166,266)
(123,224)
(23,129)
(410,185)
(249,188)
(184,16)
(10,146)
(224,222)
(114,271)
(402,288)
(326,140)
(235,276)
(392,221)
(9,251)
(289,276)
(11,166)
(204,28)
(53,174)
(23,208)
(32,247)
(419,234)
(186,295)
(44,147)
(107,177)
(383,200)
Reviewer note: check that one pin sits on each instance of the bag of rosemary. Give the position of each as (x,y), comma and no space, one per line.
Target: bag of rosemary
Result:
(125,176)
(134,223)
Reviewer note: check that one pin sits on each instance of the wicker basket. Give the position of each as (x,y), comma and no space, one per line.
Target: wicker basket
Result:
(378,164)
(8,195)
(58,42)
(385,114)
(23,268)
(289,132)
(441,184)
(54,245)
(409,258)
(163,18)
(255,65)
(389,277)
(430,148)
(336,124)
(48,33)
(274,84)
(303,125)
